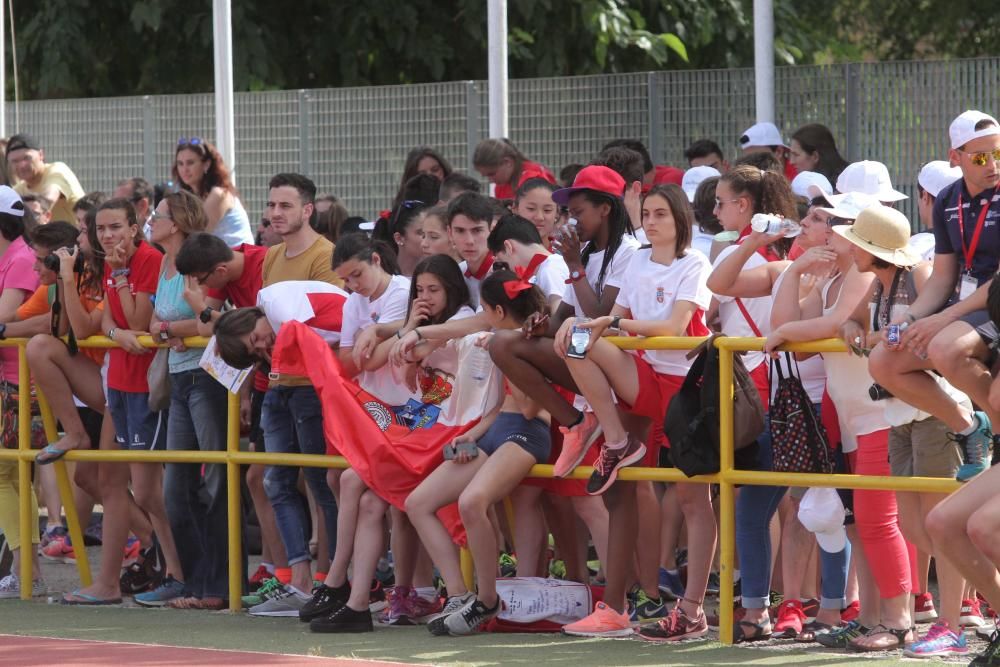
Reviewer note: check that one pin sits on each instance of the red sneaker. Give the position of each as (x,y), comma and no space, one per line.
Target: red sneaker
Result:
(676,627)
(576,442)
(790,620)
(258,578)
(971,616)
(923,608)
(59,550)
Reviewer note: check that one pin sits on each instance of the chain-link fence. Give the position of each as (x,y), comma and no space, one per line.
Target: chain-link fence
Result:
(353,141)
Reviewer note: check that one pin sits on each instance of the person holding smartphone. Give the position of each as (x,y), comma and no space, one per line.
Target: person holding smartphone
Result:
(663,293)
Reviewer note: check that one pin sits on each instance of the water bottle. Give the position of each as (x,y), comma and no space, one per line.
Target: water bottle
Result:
(480,364)
(773,224)
(560,233)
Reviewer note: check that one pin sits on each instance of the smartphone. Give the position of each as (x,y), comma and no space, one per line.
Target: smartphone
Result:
(451,452)
(578,339)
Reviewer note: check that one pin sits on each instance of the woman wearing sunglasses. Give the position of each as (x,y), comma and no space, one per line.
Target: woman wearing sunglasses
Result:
(199,168)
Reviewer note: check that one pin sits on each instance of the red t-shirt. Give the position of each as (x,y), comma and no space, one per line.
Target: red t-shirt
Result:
(127,372)
(243,292)
(529,169)
(790,171)
(667,174)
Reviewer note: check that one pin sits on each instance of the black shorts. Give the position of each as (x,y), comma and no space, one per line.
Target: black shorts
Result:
(532,436)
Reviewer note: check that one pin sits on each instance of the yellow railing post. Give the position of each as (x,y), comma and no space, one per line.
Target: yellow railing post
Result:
(727,494)
(468,568)
(66,494)
(28,526)
(236,573)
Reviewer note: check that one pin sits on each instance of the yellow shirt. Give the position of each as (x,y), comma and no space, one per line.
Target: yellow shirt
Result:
(70,191)
(316,263)
(313,264)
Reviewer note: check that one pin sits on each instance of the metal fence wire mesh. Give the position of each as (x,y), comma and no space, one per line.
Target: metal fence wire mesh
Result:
(353,141)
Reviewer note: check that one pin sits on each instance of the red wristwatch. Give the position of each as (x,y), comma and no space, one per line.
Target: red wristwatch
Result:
(575,276)
(164,334)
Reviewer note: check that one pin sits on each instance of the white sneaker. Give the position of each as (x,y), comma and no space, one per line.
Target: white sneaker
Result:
(10,588)
(287,601)
(986,630)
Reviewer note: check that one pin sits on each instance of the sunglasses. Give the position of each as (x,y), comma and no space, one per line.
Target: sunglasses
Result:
(189,141)
(982,157)
(720,202)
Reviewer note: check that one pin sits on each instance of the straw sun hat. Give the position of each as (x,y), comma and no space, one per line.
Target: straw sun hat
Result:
(884,232)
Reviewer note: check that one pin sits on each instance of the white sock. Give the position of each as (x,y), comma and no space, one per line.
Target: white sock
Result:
(269,567)
(972,427)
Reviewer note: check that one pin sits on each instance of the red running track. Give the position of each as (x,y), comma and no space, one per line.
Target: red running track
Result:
(48,652)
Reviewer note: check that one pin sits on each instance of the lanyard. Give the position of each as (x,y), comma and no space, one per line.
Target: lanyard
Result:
(970,251)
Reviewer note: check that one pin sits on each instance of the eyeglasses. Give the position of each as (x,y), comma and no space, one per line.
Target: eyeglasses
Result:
(980,158)
(203,279)
(189,141)
(719,202)
(159,216)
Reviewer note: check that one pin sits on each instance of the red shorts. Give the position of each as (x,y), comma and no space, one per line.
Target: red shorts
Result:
(655,392)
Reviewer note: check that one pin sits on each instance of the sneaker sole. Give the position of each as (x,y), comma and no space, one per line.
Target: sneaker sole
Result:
(611,634)
(698,634)
(290,613)
(438,627)
(581,456)
(925,616)
(951,651)
(624,463)
(972,621)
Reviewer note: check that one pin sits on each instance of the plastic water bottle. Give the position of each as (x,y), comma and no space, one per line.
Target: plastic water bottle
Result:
(773,224)
(480,363)
(560,233)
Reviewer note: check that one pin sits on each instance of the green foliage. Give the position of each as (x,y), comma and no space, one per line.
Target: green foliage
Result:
(73,48)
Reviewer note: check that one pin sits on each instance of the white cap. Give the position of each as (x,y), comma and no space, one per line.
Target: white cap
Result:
(7,200)
(366,226)
(762,134)
(936,175)
(849,205)
(811,184)
(822,512)
(693,178)
(868,177)
(963,129)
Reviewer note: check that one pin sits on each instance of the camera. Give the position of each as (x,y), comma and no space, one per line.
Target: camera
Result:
(51,261)
(877,392)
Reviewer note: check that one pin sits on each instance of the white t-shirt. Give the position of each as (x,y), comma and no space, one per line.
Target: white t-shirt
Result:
(361,313)
(923,245)
(731,318)
(650,290)
(550,276)
(640,236)
(614,275)
(474,282)
(701,241)
(445,358)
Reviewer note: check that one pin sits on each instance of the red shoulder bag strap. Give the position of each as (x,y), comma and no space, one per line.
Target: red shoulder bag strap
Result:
(746,316)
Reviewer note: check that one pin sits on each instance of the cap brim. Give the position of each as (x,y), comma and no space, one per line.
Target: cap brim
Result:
(832,542)
(690,194)
(891,195)
(366,226)
(904,257)
(562,195)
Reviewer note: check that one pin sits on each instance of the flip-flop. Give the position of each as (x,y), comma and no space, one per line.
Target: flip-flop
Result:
(53,452)
(84,600)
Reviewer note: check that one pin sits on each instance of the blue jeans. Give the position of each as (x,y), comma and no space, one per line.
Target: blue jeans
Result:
(755,507)
(196,503)
(292,421)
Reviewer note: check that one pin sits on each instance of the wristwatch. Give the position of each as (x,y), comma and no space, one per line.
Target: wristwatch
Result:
(205,316)
(575,276)
(616,323)
(164,331)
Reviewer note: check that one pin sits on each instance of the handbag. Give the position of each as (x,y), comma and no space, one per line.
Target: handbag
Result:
(798,439)
(8,418)
(158,378)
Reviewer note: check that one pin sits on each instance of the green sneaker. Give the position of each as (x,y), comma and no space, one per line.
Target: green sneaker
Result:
(841,637)
(508,565)
(557,569)
(266,591)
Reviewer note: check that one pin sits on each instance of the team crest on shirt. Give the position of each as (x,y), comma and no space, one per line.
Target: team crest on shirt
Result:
(380,414)
(435,385)
(659,295)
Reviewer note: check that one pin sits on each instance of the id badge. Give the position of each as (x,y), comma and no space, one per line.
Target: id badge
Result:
(967,286)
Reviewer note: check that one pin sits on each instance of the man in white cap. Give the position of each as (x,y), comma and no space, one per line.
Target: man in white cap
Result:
(766,137)
(954,340)
(693,178)
(934,177)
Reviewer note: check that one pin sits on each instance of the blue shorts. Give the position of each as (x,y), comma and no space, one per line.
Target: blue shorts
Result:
(136,427)
(532,436)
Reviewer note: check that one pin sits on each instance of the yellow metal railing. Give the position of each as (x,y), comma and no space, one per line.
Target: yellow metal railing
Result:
(727,477)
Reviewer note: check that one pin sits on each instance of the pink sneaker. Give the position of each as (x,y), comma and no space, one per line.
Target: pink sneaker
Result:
(419,609)
(576,442)
(604,622)
(396,610)
(59,550)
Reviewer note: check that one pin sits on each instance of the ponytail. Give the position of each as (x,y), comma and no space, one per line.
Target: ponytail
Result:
(358,246)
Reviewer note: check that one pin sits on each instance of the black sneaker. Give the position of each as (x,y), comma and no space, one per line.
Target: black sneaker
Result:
(610,461)
(471,617)
(325,600)
(437,625)
(344,619)
(145,574)
(991,656)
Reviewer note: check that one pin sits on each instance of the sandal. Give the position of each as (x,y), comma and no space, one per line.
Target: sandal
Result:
(212,604)
(900,635)
(757,633)
(184,603)
(811,630)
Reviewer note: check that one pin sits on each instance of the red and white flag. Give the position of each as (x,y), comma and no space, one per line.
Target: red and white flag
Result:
(315,303)
(392,448)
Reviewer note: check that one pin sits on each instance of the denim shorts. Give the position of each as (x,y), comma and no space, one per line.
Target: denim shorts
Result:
(136,427)
(532,436)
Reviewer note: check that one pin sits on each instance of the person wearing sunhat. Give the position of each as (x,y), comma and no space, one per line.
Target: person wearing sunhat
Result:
(54,181)
(918,442)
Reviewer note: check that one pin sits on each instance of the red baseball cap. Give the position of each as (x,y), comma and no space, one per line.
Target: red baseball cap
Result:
(600,179)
